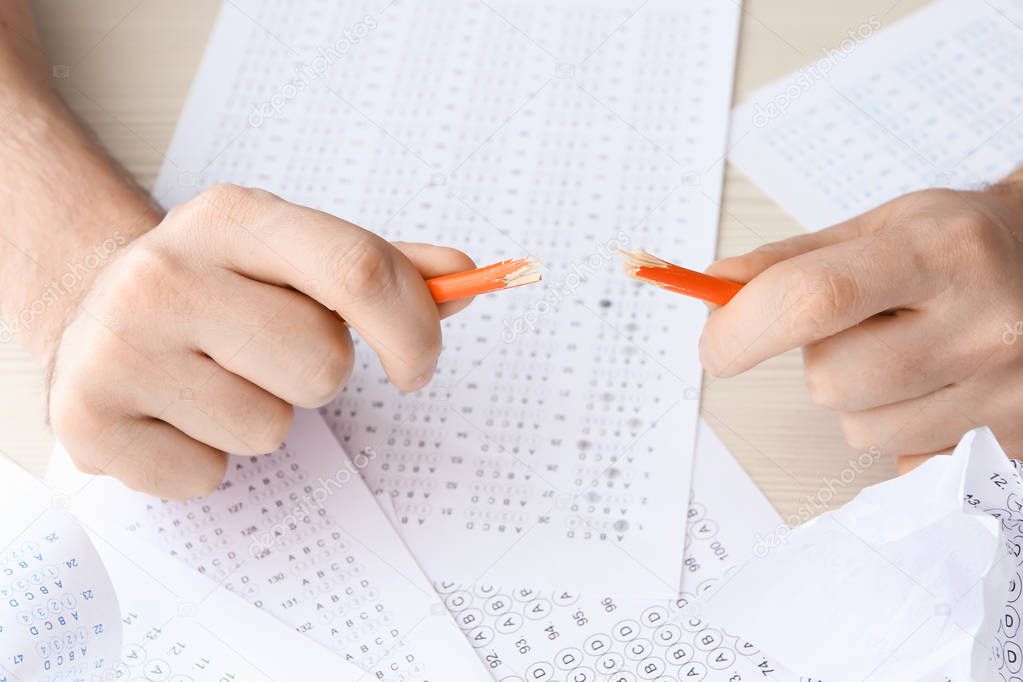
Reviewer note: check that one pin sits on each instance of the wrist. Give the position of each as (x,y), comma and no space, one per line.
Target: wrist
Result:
(68,208)
(67,219)
(43,296)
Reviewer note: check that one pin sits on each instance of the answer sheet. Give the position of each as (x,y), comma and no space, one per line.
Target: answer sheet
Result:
(934,100)
(556,439)
(58,612)
(298,534)
(518,631)
(525,634)
(86,609)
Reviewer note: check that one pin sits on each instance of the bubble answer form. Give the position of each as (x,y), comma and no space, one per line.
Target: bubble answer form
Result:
(83,607)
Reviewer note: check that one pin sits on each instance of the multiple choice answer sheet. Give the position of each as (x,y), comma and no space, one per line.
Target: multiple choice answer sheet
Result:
(298,534)
(932,101)
(524,634)
(58,611)
(77,607)
(519,632)
(556,439)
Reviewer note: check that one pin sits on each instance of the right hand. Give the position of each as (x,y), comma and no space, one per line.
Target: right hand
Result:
(199,336)
(907,317)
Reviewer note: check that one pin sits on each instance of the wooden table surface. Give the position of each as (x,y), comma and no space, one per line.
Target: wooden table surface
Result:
(126,68)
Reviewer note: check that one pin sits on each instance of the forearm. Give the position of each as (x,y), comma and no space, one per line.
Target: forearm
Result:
(67,208)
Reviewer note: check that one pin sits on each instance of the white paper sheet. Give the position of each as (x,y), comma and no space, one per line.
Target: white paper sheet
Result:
(162,624)
(298,534)
(916,578)
(58,612)
(178,625)
(931,101)
(558,432)
(534,635)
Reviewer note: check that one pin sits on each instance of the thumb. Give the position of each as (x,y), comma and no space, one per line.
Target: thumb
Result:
(434,261)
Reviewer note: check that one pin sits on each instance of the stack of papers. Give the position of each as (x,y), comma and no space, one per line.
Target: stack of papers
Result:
(78,604)
(331,565)
(298,534)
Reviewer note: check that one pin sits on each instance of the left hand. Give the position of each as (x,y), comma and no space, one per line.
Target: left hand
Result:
(910,318)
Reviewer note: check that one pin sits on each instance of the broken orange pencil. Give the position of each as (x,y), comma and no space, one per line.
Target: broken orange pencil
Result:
(504,275)
(646,268)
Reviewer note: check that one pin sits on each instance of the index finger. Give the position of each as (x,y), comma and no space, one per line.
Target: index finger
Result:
(810,297)
(364,278)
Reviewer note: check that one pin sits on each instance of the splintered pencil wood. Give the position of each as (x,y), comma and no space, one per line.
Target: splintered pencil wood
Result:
(647,268)
(507,274)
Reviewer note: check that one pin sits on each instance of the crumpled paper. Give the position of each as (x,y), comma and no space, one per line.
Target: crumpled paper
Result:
(917,578)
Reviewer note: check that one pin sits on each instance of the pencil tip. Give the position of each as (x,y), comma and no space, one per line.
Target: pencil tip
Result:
(637,258)
(527,273)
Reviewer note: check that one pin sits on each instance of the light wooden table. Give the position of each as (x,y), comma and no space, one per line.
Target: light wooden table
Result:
(128,68)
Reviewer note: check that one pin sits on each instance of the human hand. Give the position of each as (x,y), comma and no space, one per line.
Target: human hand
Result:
(910,318)
(199,336)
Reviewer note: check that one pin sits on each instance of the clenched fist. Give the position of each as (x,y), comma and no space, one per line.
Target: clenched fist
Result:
(199,336)
(909,317)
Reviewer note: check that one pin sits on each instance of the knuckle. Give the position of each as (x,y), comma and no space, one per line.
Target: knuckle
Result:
(936,195)
(220,198)
(909,207)
(824,386)
(152,479)
(203,487)
(226,196)
(183,214)
(144,271)
(762,257)
(976,237)
(77,425)
(741,267)
(84,464)
(858,430)
(64,415)
(715,351)
(272,427)
(224,204)
(363,270)
(71,412)
(324,376)
(821,300)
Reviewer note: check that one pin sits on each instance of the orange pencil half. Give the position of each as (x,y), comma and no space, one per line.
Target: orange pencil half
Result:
(504,275)
(646,268)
